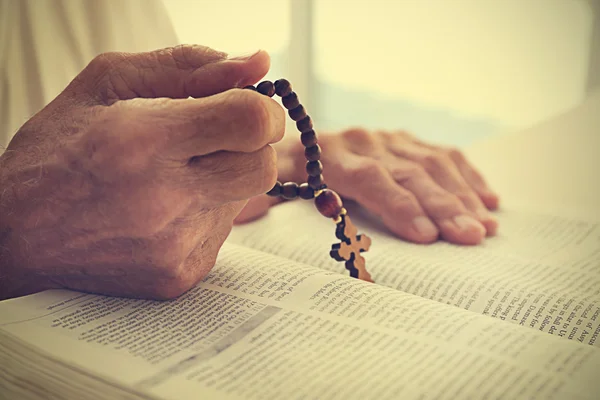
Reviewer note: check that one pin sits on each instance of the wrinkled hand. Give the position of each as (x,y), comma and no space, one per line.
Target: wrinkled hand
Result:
(124,185)
(420,191)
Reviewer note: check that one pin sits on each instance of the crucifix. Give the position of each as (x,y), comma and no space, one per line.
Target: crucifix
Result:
(327,201)
(350,248)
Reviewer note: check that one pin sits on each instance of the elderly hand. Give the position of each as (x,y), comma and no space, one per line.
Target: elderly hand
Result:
(124,185)
(420,191)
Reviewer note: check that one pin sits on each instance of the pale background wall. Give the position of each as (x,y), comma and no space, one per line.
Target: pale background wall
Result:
(467,67)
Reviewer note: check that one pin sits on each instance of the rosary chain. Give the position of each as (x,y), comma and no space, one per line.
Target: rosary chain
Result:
(312,152)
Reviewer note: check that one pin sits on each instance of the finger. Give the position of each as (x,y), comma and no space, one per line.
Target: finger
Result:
(474,179)
(224,177)
(443,171)
(199,260)
(256,208)
(236,120)
(455,222)
(365,180)
(177,72)
(469,173)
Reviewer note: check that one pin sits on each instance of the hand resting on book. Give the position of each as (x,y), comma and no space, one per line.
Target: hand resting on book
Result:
(420,191)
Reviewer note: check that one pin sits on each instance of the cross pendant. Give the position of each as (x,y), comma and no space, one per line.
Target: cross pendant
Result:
(350,248)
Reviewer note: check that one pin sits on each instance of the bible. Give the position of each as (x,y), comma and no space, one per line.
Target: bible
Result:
(517,317)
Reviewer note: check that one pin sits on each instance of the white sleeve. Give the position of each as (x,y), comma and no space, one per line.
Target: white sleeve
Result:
(44,44)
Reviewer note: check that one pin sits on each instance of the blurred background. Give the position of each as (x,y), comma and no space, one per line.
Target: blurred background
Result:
(450,71)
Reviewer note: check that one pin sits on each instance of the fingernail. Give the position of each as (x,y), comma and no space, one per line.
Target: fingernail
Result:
(425,227)
(485,215)
(468,223)
(243,56)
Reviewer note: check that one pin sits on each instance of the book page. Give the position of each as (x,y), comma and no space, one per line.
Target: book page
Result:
(554,163)
(262,327)
(541,271)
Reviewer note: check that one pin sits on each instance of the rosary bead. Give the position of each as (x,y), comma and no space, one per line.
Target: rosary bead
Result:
(267,88)
(308,138)
(289,190)
(250,87)
(276,190)
(306,192)
(315,182)
(290,101)
(304,125)
(283,87)
(313,153)
(329,203)
(314,168)
(297,113)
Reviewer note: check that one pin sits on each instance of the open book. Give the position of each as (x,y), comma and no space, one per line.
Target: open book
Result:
(515,318)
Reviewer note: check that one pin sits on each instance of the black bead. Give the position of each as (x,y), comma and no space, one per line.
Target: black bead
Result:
(297,113)
(276,190)
(283,87)
(290,101)
(308,138)
(267,88)
(250,87)
(315,182)
(314,168)
(306,192)
(313,153)
(289,190)
(304,125)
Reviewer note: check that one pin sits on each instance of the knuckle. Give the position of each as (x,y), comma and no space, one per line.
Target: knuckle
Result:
(465,196)
(261,169)
(188,56)
(364,170)
(436,161)
(357,135)
(168,255)
(411,171)
(173,288)
(105,61)
(256,115)
(181,55)
(269,168)
(455,154)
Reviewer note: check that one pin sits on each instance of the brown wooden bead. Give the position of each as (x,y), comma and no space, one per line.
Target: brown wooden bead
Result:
(267,88)
(305,192)
(314,168)
(289,190)
(329,203)
(297,113)
(283,87)
(304,125)
(315,182)
(276,190)
(250,87)
(313,153)
(308,138)
(290,101)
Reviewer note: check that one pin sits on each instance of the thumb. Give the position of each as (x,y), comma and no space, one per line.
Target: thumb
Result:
(257,207)
(177,72)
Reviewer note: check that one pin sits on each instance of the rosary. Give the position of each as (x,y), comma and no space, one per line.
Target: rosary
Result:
(328,202)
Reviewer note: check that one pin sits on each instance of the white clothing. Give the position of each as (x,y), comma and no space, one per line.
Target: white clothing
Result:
(44,44)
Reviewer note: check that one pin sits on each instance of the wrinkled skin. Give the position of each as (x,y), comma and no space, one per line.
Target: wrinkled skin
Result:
(421,192)
(124,185)
(129,181)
